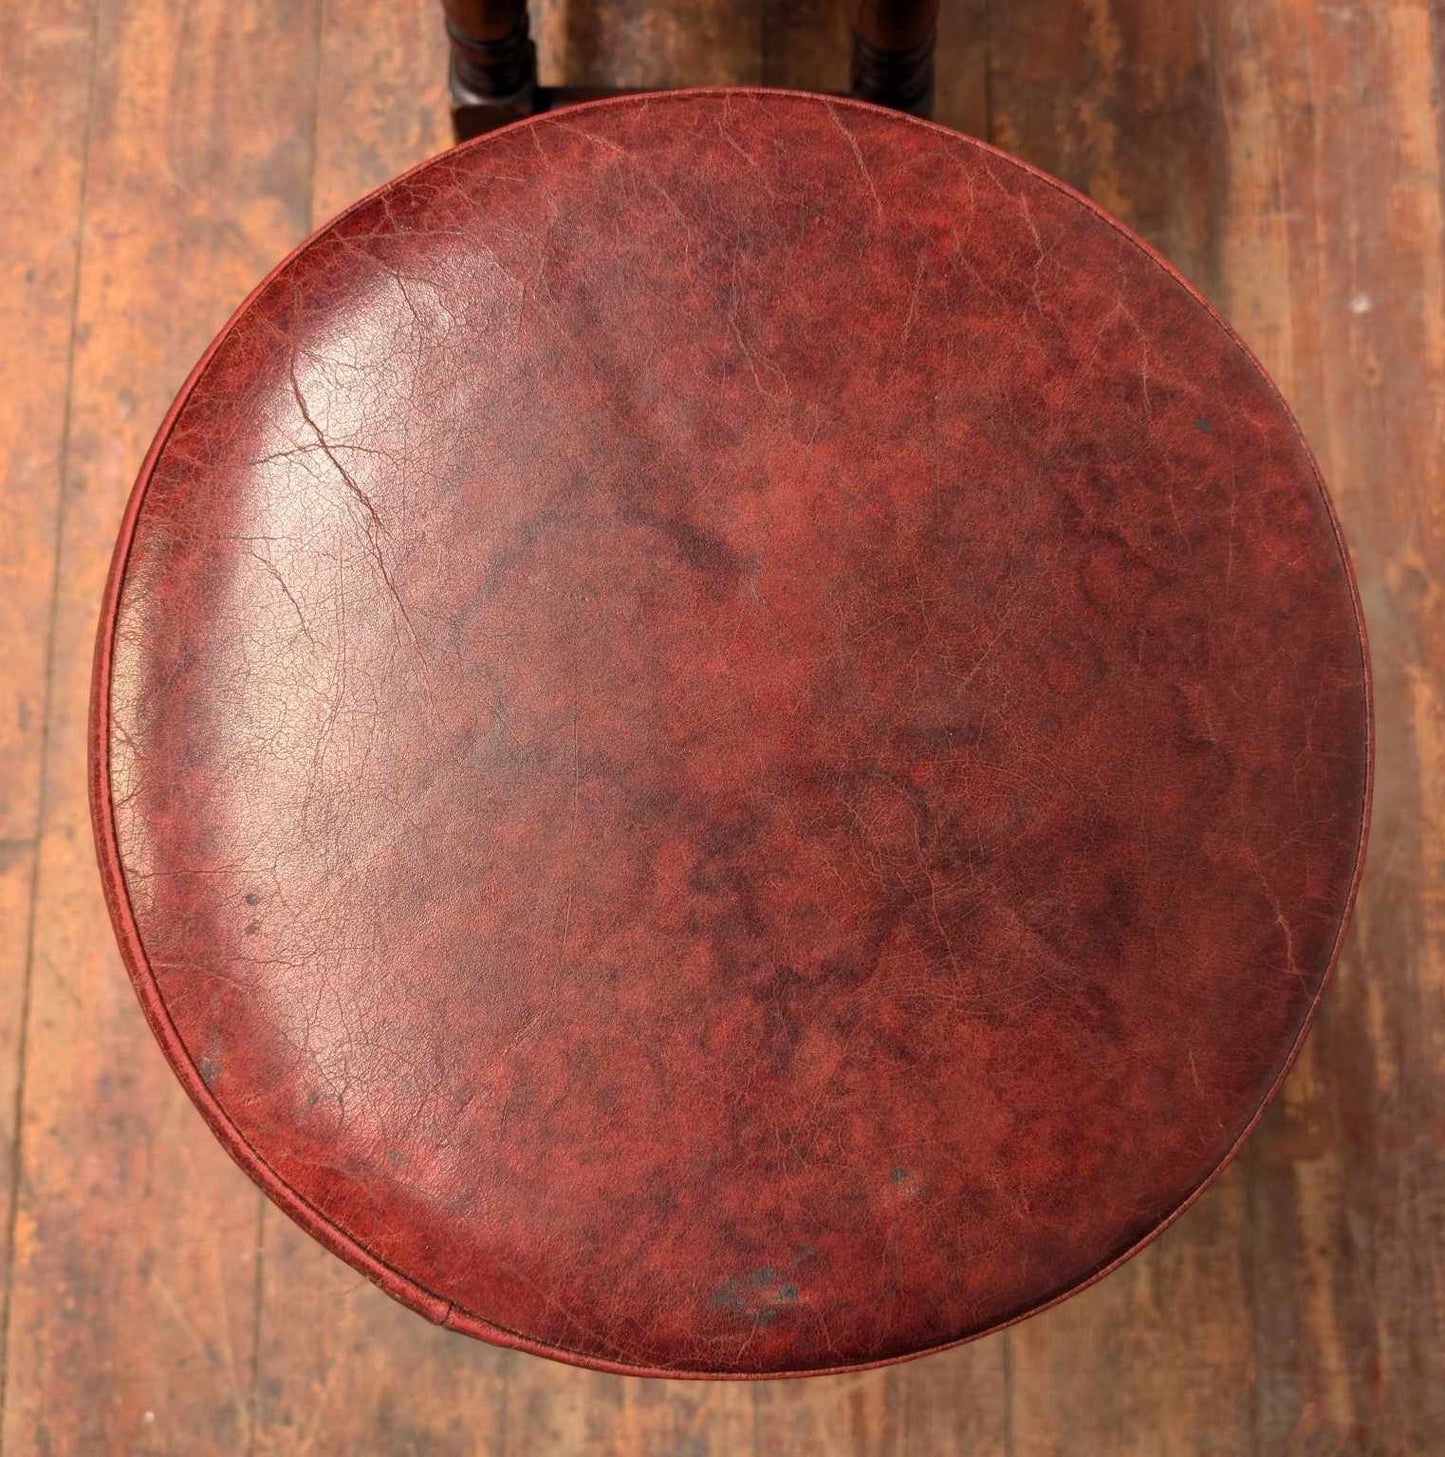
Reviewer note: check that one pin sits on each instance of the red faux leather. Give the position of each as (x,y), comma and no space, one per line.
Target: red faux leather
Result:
(731,736)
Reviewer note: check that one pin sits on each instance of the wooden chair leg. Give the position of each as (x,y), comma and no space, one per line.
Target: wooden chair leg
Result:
(893,53)
(493,71)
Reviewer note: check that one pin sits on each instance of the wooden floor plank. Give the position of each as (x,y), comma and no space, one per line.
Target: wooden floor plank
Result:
(1336,271)
(648,43)
(46,55)
(382,103)
(131,1311)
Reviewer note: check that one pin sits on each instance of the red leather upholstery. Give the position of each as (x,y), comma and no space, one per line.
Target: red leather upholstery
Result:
(731,736)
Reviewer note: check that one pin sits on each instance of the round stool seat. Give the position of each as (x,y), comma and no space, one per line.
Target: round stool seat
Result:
(731,737)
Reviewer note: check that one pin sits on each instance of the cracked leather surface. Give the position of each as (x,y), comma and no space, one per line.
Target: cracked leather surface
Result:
(732,736)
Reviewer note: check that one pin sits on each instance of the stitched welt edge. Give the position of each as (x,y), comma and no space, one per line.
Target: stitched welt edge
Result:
(401,1287)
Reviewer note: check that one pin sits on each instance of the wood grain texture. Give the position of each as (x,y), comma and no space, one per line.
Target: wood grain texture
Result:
(131,1319)
(1334,264)
(45,54)
(1287,154)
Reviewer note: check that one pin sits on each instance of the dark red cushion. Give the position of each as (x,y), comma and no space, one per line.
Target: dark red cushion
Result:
(731,736)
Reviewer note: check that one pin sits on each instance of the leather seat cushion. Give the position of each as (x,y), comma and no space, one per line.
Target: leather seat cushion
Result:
(731,737)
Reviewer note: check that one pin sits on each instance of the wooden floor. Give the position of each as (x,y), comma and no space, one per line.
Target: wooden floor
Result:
(158,156)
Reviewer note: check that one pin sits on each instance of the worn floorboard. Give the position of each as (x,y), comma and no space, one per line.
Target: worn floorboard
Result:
(45,54)
(1286,154)
(1334,257)
(130,1315)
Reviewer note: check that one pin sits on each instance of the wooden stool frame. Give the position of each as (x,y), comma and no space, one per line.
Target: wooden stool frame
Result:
(493,68)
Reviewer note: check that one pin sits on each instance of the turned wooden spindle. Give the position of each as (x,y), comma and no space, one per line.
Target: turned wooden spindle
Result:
(493,71)
(893,53)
